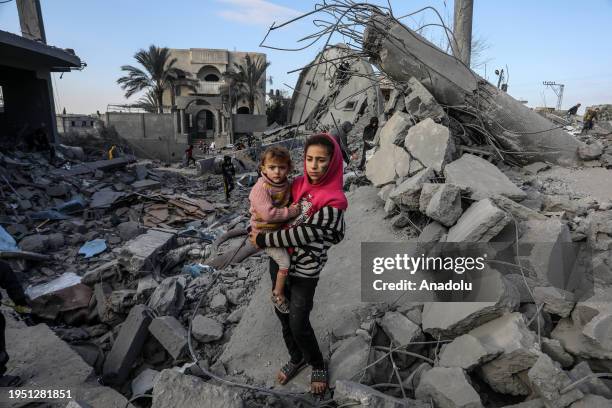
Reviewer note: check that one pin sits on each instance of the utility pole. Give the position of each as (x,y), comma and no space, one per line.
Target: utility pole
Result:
(557,89)
(462,30)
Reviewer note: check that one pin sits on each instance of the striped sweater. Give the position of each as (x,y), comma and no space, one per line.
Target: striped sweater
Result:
(310,241)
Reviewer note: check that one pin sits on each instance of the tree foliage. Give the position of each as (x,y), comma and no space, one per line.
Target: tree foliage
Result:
(247,79)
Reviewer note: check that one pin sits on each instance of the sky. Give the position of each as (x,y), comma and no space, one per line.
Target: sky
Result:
(535,41)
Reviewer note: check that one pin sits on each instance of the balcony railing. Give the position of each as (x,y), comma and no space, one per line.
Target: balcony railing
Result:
(203,56)
(209,88)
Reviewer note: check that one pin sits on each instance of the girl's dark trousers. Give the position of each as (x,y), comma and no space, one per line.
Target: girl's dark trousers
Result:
(298,334)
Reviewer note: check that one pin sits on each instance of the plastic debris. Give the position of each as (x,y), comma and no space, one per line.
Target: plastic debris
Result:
(92,248)
(7,242)
(64,281)
(196,270)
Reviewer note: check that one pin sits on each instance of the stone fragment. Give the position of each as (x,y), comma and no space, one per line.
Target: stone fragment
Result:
(173,389)
(448,388)
(518,343)
(420,103)
(350,357)
(448,320)
(141,185)
(146,286)
(385,191)
(432,233)
(168,298)
(34,243)
(236,315)
(139,254)
(171,334)
(593,385)
(592,401)
(535,168)
(122,300)
(408,193)
(541,324)
(427,191)
(218,303)
(479,223)
(102,293)
(445,205)
(141,171)
(467,352)
(591,151)
(127,346)
(128,230)
(556,301)
(481,178)
(555,350)
(548,380)
(429,143)
(206,330)
(400,329)
(235,296)
(381,168)
(364,396)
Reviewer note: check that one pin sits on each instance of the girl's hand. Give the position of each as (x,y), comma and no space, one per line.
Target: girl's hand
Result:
(279,295)
(253,239)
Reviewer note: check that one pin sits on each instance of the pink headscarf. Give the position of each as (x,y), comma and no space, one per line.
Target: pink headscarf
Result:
(329,190)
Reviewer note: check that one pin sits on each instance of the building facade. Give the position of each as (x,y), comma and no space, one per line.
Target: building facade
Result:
(204,113)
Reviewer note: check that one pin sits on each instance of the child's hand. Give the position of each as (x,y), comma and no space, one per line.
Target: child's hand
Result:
(279,295)
(296,209)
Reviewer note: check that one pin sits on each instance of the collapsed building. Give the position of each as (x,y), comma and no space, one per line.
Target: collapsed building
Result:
(147,312)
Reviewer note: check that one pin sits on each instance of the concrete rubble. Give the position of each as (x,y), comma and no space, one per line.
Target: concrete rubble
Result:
(134,308)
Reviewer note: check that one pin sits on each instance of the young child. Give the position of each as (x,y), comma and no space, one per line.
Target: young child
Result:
(269,199)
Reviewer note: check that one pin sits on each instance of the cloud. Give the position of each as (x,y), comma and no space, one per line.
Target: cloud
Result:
(259,12)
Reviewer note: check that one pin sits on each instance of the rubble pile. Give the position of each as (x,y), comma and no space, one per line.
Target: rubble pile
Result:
(114,256)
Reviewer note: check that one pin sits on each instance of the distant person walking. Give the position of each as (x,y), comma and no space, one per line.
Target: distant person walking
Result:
(212,147)
(189,155)
(590,116)
(571,112)
(368,139)
(111,152)
(340,135)
(228,170)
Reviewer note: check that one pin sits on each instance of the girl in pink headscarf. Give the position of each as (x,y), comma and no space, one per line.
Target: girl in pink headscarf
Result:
(319,226)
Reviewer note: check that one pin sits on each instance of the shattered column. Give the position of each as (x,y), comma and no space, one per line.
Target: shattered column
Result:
(402,54)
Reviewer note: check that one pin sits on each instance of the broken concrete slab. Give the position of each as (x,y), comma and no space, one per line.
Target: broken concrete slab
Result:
(556,301)
(139,254)
(591,151)
(141,185)
(448,388)
(445,205)
(574,341)
(101,273)
(218,303)
(555,350)
(365,396)
(385,191)
(129,229)
(380,170)
(34,243)
(481,178)
(173,389)
(168,298)
(206,330)
(400,329)
(432,233)
(122,300)
(420,103)
(427,191)
(449,320)
(467,352)
(408,193)
(479,223)
(104,198)
(349,360)
(520,352)
(592,401)
(171,334)
(127,346)
(593,385)
(430,144)
(547,380)
(102,292)
(518,211)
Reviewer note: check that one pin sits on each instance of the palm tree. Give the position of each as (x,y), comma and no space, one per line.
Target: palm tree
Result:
(158,75)
(148,102)
(247,78)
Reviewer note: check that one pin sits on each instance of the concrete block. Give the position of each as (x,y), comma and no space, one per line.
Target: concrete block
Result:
(593,385)
(143,383)
(445,205)
(364,396)
(448,388)
(547,381)
(218,303)
(420,103)
(127,346)
(351,356)
(173,389)
(556,301)
(206,330)
(427,191)
(429,143)
(408,193)
(555,350)
(481,178)
(128,230)
(479,223)
(171,334)
(139,254)
(141,185)
(168,298)
(467,352)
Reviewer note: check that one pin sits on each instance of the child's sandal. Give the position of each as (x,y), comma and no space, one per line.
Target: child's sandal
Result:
(291,370)
(282,307)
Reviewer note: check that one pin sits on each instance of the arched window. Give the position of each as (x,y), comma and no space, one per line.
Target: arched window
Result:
(243,110)
(209,73)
